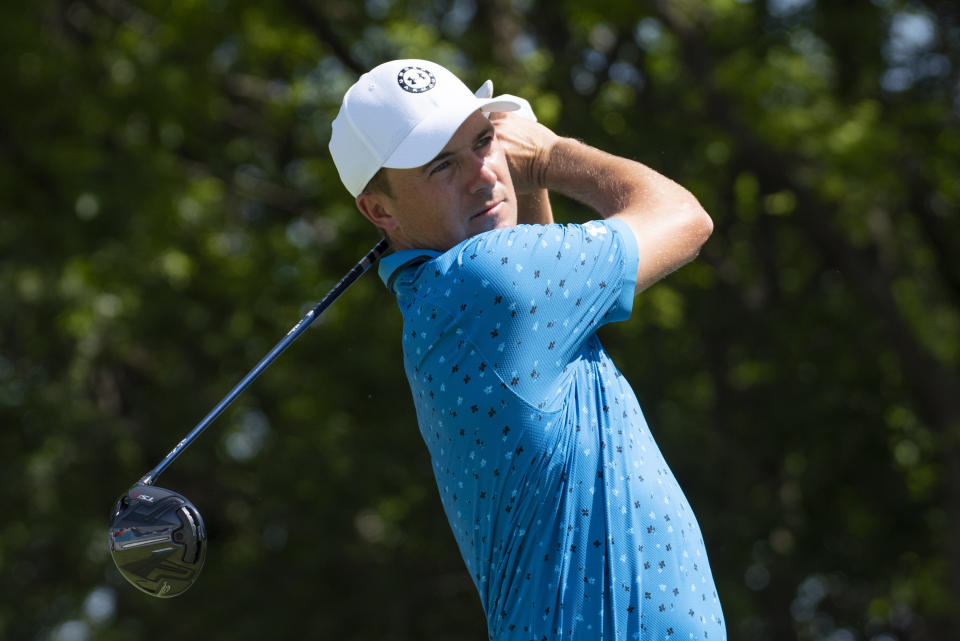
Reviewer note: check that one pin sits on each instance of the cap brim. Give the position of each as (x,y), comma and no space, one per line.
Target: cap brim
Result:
(432,134)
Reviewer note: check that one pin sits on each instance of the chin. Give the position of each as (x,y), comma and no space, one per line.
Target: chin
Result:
(490,224)
(507,221)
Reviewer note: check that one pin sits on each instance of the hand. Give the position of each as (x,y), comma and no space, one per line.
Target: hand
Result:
(527,146)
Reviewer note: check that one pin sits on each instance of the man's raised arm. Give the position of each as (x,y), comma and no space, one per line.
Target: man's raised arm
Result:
(668,222)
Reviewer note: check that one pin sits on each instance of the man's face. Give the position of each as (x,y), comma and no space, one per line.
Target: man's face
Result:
(465,190)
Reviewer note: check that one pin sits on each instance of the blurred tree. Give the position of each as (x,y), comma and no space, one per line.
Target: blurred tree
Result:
(170,210)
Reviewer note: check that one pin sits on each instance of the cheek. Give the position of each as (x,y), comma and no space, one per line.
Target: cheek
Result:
(418,205)
(433,210)
(498,162)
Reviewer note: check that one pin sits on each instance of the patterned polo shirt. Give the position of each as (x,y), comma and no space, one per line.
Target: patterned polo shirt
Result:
(565,512)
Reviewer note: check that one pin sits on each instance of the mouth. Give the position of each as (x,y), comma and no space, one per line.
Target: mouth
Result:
(491,209)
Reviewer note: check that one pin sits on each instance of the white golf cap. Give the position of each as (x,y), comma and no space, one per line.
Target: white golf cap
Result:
(401,114)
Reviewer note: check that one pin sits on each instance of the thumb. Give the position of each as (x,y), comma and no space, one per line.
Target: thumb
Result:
(485,90)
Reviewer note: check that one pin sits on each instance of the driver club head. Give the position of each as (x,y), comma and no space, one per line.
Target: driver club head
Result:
(157,540)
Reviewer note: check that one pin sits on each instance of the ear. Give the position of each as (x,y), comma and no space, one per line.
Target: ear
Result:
(377,209)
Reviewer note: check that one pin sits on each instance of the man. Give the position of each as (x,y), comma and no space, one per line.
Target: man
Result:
(568,519)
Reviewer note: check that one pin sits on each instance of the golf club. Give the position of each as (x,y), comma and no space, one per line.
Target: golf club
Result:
(157,537)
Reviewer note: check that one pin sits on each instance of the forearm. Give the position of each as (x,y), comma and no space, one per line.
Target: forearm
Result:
(606,183)
(668,222)
(534,208)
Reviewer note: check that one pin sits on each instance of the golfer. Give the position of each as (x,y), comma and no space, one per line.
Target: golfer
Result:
(569,520)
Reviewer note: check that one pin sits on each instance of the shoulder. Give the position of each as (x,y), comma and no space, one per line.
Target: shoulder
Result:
(516,249)
(514,258)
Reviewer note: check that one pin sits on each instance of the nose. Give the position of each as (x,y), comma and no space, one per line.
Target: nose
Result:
(482,176)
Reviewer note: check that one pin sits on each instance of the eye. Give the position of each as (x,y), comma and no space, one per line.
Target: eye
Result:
(440,166)
(486,141)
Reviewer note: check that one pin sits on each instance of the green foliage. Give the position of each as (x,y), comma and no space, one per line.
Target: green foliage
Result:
(170,211)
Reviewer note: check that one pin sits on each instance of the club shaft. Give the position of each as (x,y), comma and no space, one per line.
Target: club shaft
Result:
(355,272)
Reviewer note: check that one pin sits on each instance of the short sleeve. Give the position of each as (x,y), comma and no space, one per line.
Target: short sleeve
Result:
(531,296)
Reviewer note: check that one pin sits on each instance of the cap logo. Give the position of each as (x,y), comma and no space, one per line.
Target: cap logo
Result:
(416,79)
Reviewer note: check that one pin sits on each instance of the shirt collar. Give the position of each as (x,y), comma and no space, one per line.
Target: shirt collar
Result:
(391,265)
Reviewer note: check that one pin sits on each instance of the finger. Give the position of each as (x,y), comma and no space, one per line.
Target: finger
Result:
(525,110)
(485,90)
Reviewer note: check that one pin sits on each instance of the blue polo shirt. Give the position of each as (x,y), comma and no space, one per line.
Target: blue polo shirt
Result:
(567,516)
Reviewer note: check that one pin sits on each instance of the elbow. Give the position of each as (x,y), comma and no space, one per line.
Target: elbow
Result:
(698,225)
(706,226)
